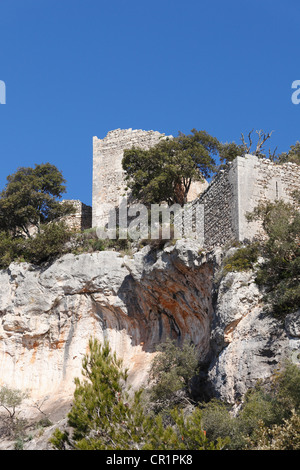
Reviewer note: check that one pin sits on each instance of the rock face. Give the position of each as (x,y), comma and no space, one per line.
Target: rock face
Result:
(247,343)
(47,316)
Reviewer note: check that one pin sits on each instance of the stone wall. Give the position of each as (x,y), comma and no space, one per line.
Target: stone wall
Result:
(233,192)
(220,225)
(237,190)
(260,180)
(81,219)
(108,174)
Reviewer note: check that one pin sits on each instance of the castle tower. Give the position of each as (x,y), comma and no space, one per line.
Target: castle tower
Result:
(108,175)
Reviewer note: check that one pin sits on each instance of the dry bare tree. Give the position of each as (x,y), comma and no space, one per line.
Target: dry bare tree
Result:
(262,138)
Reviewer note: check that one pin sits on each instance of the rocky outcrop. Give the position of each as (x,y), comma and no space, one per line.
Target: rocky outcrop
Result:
(48,314)
(247,343)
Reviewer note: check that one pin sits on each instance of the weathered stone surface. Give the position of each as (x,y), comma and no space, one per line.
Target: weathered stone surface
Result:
(109,185)
(108,175)
(292,324)
(233,192)
(248,344)
(47,315)
(81,218)
(237,190)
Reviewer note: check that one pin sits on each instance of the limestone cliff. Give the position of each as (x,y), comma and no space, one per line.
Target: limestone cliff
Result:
(48,314)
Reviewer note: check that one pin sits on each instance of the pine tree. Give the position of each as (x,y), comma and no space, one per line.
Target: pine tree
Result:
(103,415)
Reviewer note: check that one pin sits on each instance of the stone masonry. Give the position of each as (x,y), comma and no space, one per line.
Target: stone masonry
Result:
(237,190)
(81,218)
(232,193)
(108,175)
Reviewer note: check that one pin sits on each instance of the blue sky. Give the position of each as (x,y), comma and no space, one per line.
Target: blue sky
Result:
(78,68)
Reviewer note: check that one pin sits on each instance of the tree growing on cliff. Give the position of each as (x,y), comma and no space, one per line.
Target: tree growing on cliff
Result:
(164,173)
(31,198)
(292,156)
(10,401)
(172,371)
(279,274)
(105,417)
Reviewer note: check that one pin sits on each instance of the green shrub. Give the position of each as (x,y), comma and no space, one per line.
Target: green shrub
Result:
(243,259)
(285,436)
(105,417)
(185,433)
(263,408)
(10,249)
(89,242)
(172,371)
(279,274)
(49,243)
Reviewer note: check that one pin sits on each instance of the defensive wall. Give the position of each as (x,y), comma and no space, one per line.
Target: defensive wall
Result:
(233,192)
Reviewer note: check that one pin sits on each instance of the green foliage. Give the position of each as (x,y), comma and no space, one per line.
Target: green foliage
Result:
(280,272)
(230,150)
(243,259)
(286,387)
(172,371)
(50,242)
(11,399)
(263,409)
(285,436)
(30,198)
(185,433)
(106,416)
(283,431)
(292,156)
(28,205)
(103,415)
(89,242)
(59,439)
(10,249)
(165,172)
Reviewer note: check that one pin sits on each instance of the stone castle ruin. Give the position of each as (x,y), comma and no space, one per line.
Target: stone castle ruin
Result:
(108,175)
(237,190)
(232,193)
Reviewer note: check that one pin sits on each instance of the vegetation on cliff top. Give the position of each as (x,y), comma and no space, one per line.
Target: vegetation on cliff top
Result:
(164,173)
(278,272)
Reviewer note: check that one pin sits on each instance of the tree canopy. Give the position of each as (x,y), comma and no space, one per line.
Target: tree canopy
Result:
(164,173)
(292,156)
(31,198)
